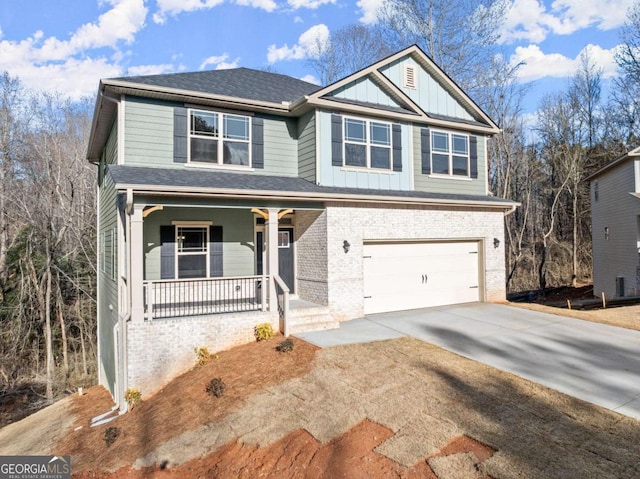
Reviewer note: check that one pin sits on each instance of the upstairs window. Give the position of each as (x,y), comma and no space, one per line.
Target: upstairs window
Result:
(219,138)
(367,144)
(449,154)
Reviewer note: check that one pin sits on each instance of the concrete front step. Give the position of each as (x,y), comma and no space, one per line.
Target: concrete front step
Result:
(314,326)
(311,318)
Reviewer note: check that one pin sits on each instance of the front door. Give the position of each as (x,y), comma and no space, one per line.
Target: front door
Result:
(285,255)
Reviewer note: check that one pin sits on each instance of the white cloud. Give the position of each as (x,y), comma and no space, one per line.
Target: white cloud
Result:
(531,20)
(266,5)
(67,66)
(175,7)
(141,70)
(310,43)
(310,79)
(220,62)
(537,64)
(370,10)
(121,23)
(311,4)
(297,19)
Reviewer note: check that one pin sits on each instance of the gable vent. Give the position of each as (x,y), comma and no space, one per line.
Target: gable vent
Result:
(410,77)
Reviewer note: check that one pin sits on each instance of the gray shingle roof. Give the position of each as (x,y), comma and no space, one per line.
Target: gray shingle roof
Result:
(198,179)
(237,82)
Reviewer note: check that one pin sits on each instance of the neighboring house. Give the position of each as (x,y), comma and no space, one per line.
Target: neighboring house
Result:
(615,227)
(234,197)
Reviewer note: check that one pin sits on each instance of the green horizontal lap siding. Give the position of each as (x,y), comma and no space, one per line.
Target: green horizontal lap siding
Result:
(428,94)
(439,184)
(148,139)
(280,147)
(108,288)
(237,236)
(307,147)
(111,149)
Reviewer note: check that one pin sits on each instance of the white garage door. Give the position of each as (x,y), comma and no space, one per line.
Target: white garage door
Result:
(399,276)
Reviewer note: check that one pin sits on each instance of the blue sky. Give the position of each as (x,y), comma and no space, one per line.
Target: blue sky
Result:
(68,45)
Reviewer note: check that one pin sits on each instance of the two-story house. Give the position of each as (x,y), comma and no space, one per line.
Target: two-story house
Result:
(235,197)
(615,227)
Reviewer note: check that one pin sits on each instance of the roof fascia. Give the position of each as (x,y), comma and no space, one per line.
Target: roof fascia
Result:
(361,73)
(458,93)
(100,114)
(425,62)
(176,94)
(618,161)
(317,196)
(421,117)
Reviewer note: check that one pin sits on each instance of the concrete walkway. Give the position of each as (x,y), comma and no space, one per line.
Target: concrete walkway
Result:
(594,362)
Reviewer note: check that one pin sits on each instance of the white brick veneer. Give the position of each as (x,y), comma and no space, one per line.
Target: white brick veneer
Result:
(160,350)
(357,224)
(311,256)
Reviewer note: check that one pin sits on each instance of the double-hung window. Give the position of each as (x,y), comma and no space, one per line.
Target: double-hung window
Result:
(219,138)
(367,144)
(449,153)
(192,251)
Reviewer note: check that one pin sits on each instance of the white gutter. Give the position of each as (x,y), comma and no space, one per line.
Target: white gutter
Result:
(177,92)
(309,196)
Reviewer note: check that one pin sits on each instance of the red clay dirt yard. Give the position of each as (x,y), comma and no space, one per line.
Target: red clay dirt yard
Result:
(400,408)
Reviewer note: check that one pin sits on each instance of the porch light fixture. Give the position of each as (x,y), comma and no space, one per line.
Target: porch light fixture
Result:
(496,242)
(346,246)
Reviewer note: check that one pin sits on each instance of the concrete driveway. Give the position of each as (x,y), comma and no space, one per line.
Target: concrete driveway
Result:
(594,362)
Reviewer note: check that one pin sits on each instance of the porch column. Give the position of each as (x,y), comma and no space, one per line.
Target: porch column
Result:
(271,226)
(136,247)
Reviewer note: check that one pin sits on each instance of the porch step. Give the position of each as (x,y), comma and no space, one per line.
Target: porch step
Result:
(304,317)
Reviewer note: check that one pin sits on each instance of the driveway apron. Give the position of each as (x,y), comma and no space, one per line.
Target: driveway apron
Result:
(591,361)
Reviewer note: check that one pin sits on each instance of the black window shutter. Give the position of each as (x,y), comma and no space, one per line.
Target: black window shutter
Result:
(336,140)
(215,251)
(257,143)
(425,150)
(397,147)
(180,126)
(473,156)
(167,252)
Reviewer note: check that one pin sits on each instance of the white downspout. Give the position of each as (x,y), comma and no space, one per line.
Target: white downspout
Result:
(124,406)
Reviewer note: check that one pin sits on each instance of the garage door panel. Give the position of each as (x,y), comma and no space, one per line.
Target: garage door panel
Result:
(418,275)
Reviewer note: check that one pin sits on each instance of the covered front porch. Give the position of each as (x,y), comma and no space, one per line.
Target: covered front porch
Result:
(192,258)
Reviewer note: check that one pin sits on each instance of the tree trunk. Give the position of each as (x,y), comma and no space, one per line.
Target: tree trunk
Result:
(574,276)
(63,332)
(80,320)
(47,327)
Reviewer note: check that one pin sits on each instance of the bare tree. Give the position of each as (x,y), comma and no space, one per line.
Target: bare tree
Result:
(348,50)
(459,35)
(52,252)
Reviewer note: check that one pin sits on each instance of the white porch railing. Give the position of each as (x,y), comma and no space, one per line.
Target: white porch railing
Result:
(192,297)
